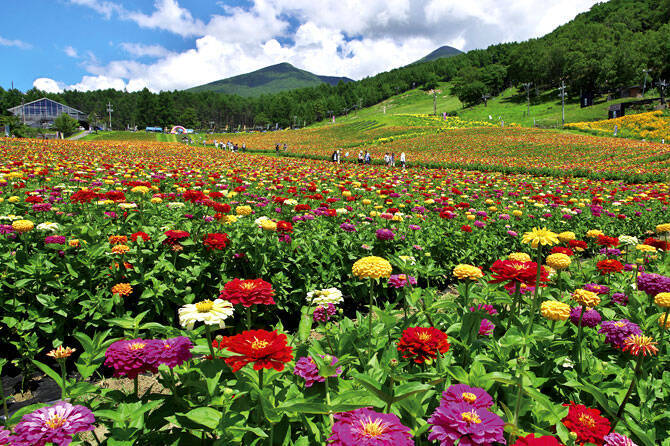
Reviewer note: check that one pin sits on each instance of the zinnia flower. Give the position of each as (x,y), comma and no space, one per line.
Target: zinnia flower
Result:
(565,237)
(122,289)
(615,439)
(620,298)
(322,313)
(609,266)
(558,261)
(460,393)
(590,318)
(596,288)
(55,424)
(401,280)
(216,241)
(384,234)
(662,300)
(637,343)
(61,352)
(127,358)
(554,310)
(652,284)
(248,292)
(587,298)
(365,427)
(532,440)
(470,426)
(519,257)
(513,271)
(372,267)
(22,226)
(325,296)
(587,423)
(143,235)
(174,236)
(171,352)
(617,331)
(421,344)
(206,311)
(265,349)
(307,369)
(463,272)
(540,236)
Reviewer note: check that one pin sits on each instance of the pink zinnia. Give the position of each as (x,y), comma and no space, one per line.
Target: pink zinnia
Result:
(4,436)
(471,426)
(401,280)
(171,352)
(384,234)
(460,393)
(365,427)
(322,313)
(486,327)
(128,358)
(55,424)
(307,369)
(615,439)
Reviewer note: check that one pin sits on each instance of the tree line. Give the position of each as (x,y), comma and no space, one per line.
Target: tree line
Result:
(600,50)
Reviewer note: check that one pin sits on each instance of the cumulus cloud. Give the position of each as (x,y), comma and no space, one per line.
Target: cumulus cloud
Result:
(15,43)
(71,52)
(48,85)
(329,37)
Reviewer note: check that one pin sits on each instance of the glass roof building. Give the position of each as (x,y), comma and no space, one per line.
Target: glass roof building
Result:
(42,112)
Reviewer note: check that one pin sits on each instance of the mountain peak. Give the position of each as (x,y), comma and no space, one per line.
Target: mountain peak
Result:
(443,51)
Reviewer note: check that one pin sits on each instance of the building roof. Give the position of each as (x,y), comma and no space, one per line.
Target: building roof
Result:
(47,108)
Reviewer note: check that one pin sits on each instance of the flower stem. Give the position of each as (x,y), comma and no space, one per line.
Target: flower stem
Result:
(136,387)
(4,400)
(63,376)
(370,321)
(517,407)
(209,341)
(663,329)
(515,303)
(536,293)
(579,339)
(636,373)
(331,420)
(248,318)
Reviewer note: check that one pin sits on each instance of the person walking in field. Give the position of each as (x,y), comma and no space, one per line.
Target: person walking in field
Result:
(360,157)
(368,158)
(402,160)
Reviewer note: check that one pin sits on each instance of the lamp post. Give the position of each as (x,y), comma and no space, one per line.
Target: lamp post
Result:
(644,86)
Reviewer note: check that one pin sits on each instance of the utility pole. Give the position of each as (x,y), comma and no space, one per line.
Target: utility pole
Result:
(434,102)
(110,110)
(644,86)
(527,86)
(562,95)
(661,86)
(485,98)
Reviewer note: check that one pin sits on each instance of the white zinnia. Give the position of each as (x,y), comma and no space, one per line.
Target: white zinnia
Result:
(48,226)
(628,240)
(325,296)
(206,311)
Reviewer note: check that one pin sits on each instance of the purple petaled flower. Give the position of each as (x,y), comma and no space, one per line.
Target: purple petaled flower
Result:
(54,424)
(171,352)
(596,288)
(208,218)
(481,213)
(127,358)
(322,313)
(512,233)
(6,229)
(42,207)
(503,216)
(54,240)
(486,327)
(418,247)
(620,298)
(188,216)
(285,238)
(384,234)
(460,393)
(628,267)
(488,308)
(365,427)
(4,436)
(591,317)
(401,280)
(479,224)
(617,331)
(615,439)
(414,227)
(307,369)
(470,426)
(348,227)
(612,252)
(652,284)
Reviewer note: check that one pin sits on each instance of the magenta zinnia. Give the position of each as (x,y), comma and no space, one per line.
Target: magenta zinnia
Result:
(365,427)
(171,352)
(307,369)
(54,424)
(460,393)
(471,426)
(128,358)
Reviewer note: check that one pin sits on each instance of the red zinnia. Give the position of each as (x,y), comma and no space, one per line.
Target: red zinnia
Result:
(579,245)
(587,423)
(83,196)
(248,292)
(265,349)
(422,343)
(284,226)
(216,241)
(609,266)
(512,271)
(466,228)
(532,440)
(610,242)
(562,250)
(143,235)
(656,243)
(174,235)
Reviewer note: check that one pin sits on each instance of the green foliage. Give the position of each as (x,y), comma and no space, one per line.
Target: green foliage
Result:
(65,124)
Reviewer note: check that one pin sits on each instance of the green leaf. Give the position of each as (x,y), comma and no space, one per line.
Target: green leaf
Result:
(51,373)
(205,416)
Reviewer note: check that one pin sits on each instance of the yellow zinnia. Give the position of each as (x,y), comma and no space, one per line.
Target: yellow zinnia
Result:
(594,233)
(662,300)
(645,248)
(554,310)
(519,257)
(559,261)
(463,271)
(540,236)
(243,210)
(371,267)
(586,298)
(566,236)
(664,227)
(22,226)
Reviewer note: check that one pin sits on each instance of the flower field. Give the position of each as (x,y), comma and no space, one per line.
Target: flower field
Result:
(652,125)
(430,142)
(286,301)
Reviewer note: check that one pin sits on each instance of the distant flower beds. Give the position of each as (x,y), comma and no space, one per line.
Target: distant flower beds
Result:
(651,126)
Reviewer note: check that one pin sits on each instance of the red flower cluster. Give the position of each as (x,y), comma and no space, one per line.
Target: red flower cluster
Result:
(265,349)
(578,245)
(83,196)
(284,226)
(609,266)
(513,271)
(532,440)
(609,242)
(587,423)
(216,241)
(143,235)
(421,344)
(656,243)
(174,236)
(248,292)
(562,250)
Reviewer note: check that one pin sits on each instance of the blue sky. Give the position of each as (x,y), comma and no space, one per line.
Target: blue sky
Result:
(175,44)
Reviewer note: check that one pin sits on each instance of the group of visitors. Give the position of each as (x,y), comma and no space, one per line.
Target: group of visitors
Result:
(279,146)
(230,146)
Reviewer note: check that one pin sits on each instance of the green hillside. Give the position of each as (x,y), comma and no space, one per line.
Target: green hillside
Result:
(268,80)
(130,136)
(443,51)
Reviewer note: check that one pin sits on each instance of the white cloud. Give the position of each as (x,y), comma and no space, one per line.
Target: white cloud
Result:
(48,85)
(333,37)
(16,43)
(71,52)
(142,50)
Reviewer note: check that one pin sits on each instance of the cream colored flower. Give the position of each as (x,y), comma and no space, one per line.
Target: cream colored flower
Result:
(325,296)
(48,226)
(206,311)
